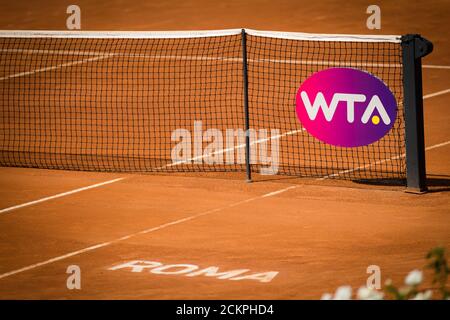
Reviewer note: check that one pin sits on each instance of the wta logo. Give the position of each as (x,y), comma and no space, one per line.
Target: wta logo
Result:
(346,107)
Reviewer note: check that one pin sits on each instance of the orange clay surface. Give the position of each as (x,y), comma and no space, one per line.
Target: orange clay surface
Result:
(318,234)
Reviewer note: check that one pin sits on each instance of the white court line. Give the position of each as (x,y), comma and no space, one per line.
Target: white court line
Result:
(380,162)
(101,55)
(153,229)
(104,244)
(361,167)
(274,193)
(395,157)
(162,226)
(230,149)
(104,56)
(437,145)
(207,58)
(54,52)
(436,94)
(179,162)
(63,65)
(240,146)
(431,66)
(59,195)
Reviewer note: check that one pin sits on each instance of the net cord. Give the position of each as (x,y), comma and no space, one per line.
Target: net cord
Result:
(197,34)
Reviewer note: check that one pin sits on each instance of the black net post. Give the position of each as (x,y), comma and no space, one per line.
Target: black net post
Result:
(246,112)
(414,47)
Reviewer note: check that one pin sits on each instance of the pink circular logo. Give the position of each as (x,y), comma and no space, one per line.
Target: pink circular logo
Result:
(346,107)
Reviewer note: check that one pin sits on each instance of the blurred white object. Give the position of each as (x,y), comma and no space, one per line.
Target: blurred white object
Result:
(414,278)
(343,293)
(423,295)
(365,293)
(327,296)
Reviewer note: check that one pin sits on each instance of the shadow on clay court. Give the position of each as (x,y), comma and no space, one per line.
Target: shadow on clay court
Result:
(436,183)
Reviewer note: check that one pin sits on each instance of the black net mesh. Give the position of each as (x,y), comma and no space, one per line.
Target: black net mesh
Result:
(277,67)
(140,105)
(113,104)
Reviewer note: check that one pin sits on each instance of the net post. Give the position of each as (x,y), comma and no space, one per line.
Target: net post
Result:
(246,112)
(414,47)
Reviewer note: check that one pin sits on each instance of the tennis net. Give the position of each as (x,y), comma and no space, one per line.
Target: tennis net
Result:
(127,101)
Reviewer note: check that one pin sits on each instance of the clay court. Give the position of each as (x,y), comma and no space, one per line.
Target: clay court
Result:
(313,234)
